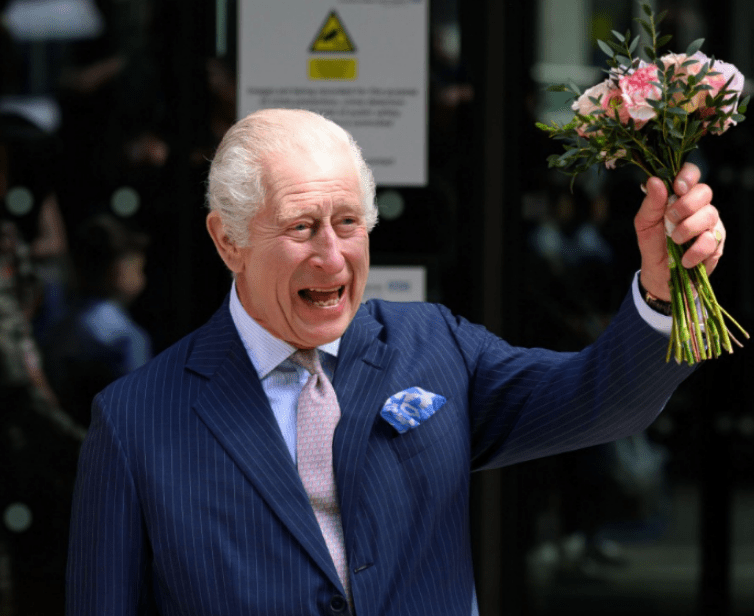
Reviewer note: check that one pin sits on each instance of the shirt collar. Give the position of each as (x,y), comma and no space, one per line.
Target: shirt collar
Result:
(265,351)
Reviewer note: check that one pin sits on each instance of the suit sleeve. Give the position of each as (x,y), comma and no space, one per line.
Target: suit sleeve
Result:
(108,550)
(531,403)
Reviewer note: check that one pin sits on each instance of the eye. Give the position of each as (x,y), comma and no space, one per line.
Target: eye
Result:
(350,217)
(347,225)
(300,230)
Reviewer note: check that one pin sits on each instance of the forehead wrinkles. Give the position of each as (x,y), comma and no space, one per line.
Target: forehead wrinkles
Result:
(306,195)
(282,187)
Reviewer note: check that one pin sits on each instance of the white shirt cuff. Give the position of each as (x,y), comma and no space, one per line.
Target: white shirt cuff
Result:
(658,322)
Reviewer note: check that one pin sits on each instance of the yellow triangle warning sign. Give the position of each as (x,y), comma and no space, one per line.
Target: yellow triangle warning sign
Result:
(332,36)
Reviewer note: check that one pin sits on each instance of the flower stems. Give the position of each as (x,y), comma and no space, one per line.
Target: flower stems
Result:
(696,311)
(680,338)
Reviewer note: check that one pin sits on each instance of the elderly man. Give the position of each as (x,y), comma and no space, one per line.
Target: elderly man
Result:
(302,453)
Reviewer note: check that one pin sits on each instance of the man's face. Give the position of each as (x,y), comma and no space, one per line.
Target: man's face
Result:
(304,272)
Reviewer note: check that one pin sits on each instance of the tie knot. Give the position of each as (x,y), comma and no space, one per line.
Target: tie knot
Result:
(308,359)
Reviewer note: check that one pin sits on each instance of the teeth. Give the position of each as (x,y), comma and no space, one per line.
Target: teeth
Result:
(332,302)
(331,296)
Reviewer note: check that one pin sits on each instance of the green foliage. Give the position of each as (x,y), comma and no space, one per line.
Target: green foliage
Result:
(660,146)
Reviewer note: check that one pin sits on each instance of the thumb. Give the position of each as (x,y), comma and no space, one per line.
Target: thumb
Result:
(652,210)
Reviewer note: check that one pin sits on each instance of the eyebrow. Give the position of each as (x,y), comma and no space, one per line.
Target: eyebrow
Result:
(293,211)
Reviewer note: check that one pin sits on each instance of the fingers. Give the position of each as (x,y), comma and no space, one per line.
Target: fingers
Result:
(699,196)
(698,223)
(687,177)
(707,248)
(687,181)
(691,224)
(694,219)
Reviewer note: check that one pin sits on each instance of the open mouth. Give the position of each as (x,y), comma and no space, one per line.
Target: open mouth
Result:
(322,298)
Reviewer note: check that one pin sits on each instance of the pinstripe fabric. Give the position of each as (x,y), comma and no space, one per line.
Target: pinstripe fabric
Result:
(188,502)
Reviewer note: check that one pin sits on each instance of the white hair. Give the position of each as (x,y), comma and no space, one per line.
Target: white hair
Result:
(236,186)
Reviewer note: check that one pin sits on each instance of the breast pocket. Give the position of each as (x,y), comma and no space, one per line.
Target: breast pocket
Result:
(443,424)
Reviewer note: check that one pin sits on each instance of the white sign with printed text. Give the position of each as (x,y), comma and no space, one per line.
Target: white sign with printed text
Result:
(361,63)
(403,283)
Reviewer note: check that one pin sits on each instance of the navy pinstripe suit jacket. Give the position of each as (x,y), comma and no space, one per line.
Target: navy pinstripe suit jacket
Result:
(188,503)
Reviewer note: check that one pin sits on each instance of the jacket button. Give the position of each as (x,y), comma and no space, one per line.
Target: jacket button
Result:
(338,604)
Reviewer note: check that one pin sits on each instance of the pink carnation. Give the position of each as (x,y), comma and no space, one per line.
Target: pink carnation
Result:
(638,89)
(610,99)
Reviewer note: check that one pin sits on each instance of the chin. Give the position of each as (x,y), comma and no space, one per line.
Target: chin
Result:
(322,334)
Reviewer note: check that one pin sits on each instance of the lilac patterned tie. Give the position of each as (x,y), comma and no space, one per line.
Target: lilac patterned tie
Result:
(318,414)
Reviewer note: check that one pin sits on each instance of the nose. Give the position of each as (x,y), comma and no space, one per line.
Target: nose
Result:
(327,250)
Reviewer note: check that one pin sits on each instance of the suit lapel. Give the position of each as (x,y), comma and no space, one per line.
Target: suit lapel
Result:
(236,410)
(362,384)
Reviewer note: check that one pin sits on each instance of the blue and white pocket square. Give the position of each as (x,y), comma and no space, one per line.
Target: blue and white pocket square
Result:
(410,407)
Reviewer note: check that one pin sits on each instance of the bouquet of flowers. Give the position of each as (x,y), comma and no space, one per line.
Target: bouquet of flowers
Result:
(652,113)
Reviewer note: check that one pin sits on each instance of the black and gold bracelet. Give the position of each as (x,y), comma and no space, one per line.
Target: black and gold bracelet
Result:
(655,303)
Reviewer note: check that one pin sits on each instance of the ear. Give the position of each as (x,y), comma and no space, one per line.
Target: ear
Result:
(227,250)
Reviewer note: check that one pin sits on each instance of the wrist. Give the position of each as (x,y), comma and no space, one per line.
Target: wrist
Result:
(655,303)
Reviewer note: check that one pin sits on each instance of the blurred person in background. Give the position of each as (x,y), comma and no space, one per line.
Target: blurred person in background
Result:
(99,341)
